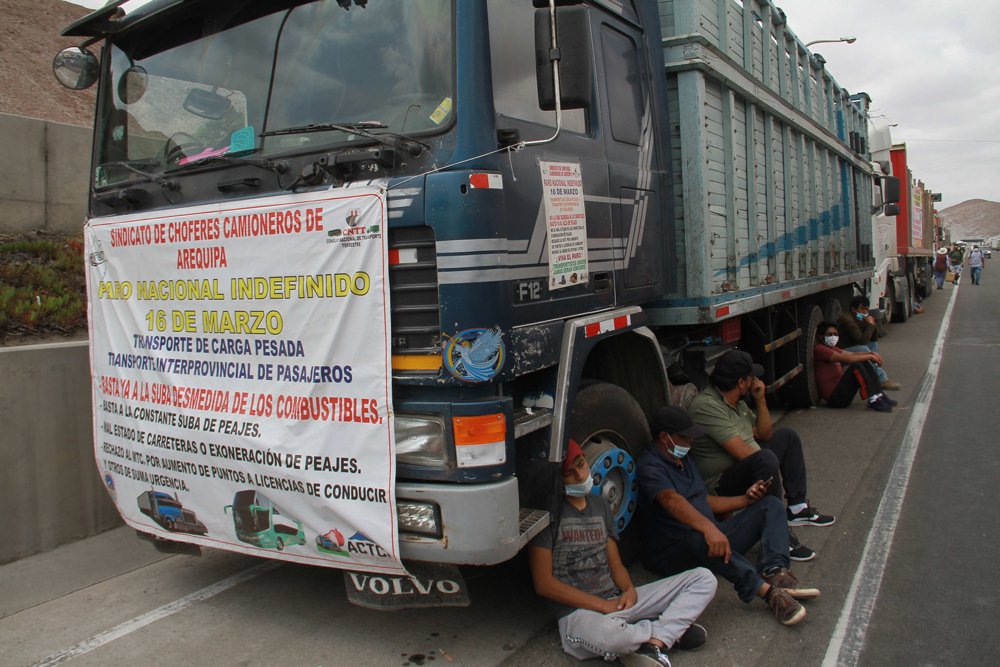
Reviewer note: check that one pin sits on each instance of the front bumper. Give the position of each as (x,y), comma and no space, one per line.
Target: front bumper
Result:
(481,524)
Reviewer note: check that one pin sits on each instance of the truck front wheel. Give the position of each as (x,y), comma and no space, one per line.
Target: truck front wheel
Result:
(612,429)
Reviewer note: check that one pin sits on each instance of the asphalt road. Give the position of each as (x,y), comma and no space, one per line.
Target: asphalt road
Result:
(113,600)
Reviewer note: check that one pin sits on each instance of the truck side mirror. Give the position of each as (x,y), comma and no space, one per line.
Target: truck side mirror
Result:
(890,186)
(574,55)
(76,68)
(891,210)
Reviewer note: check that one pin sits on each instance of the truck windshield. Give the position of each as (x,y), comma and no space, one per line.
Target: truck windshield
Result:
(209,82)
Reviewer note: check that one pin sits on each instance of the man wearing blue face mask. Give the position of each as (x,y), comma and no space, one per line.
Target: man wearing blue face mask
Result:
(843,374)
(576,566)
(859,333)
(680,529)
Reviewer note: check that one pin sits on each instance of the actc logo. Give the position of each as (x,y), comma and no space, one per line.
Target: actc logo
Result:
(332,542)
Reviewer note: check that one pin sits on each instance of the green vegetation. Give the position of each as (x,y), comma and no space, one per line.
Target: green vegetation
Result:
(42,286)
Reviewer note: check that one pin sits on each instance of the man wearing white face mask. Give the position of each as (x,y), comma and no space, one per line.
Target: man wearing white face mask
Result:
(575,565)
(680,529)
(839,385)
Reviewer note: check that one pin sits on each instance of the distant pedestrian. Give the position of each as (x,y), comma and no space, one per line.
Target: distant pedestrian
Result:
(976,264)
(955,260)
(940,266)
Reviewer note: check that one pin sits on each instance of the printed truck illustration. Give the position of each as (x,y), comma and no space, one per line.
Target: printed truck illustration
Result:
(167,511)
(577,227)
(260,522)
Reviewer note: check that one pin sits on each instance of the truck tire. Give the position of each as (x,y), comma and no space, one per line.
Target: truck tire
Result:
(801,391)
(612,430)
(901,309)
(912,289)
(832,309)
(890,303)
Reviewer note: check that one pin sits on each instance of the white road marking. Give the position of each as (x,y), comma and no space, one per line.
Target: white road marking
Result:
(849,636)
(102,638)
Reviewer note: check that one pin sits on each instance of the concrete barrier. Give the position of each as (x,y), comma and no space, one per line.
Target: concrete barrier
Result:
(44,175)
(51,492)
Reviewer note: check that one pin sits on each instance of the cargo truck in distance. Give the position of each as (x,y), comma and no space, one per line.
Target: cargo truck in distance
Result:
(905,234)
(722,178)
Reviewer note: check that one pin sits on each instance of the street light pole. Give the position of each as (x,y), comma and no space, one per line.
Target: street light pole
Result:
(849,40)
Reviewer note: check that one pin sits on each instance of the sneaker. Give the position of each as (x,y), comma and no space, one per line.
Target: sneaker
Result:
(787,609)
(879,405)
(647,655)
(693,638)
(783,578)
(810,516)
(891,401)
(798,551)
(891,385)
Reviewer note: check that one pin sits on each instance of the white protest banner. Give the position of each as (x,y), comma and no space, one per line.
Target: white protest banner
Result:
(566,223)
(240,356)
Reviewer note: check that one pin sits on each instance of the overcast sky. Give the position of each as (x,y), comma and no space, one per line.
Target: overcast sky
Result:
(931,66)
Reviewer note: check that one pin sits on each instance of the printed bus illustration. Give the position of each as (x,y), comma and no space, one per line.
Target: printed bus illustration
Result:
(260,522)
(167,511)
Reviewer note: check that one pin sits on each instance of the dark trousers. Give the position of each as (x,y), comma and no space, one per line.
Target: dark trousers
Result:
(858,378)
(763,522)
(780,457)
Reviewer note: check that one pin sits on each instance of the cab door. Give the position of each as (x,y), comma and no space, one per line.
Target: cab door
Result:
(633,165)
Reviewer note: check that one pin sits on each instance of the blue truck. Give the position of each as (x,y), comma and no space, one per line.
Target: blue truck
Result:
(588,203)
(167,511)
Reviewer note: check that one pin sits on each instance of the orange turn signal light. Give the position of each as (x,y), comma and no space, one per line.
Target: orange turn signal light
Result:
(479,429)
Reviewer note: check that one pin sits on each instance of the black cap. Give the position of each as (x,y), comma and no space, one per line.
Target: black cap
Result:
(669,419)
(734,365)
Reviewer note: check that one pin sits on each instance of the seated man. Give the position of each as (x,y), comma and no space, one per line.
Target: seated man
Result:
(575,564)
(740,446)
(680,529)
(858,334)
(836,386)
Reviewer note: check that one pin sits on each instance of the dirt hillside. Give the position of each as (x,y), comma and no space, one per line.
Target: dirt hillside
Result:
(29,40)
(975,218)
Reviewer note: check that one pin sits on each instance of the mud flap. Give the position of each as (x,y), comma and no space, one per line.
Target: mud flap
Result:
(429,585)
(166,546)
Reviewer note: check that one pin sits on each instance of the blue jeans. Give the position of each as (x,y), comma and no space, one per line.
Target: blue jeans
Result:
(977,272)
(939,279)
(765,521)
(879,371)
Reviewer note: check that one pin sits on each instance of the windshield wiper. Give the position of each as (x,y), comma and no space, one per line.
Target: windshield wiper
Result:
(277,166)
(391,139)
(147,176)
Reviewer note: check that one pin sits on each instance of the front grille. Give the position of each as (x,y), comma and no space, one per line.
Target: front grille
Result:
(413,292)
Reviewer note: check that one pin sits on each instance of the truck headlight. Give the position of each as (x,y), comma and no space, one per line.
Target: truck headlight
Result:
(417,517)
(419,440)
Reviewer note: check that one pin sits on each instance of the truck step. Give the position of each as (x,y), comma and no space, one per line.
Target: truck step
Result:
(532,522)
(526,421)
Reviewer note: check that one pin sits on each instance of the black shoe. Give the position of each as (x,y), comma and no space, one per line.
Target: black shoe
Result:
(693,638)
(879,405)
(798,551)
(647,654)
(810,516)
(891,401)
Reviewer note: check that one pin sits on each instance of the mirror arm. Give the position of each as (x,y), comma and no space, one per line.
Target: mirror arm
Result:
(554,57)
